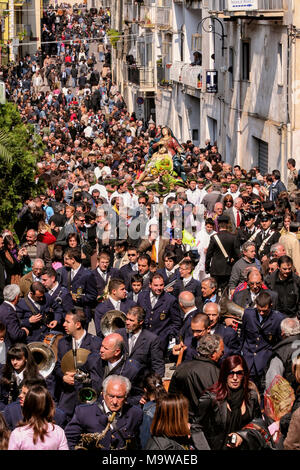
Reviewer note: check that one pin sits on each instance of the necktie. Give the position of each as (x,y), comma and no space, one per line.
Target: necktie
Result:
(153,252)
(238,220)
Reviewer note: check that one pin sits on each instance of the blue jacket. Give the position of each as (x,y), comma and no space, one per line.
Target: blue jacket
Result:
(258,339)
(92,419)
(147,351)
(165,319)
(14,333)
(13,414)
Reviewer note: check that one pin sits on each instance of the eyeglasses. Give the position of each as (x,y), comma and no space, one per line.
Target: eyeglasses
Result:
(131,254)
(239,373)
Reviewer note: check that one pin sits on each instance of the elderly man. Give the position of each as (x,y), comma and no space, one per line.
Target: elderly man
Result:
(246,297)
(235,214)
(209,293)
(187,304)
(15,333)
(193,377)
(32,276)
(247,260)
(36,249)
(116,420)
(230,338)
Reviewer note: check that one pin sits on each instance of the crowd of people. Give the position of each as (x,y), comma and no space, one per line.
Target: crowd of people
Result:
(141,253)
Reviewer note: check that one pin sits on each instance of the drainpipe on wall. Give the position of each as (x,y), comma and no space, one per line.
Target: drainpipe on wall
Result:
(238,97)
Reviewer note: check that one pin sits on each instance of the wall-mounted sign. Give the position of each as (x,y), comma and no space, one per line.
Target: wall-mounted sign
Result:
(211,81)
(240,5)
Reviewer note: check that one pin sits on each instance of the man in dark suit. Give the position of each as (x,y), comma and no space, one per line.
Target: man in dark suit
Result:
(141,344)
(143,262)
(79,281)
(163,316)
(117,300)
(186,300)
(15,333)
(218,262)
(114,361)
(125,426)
(37,314)
(67,386)
(266,237)
(103,273)
(13,411)
(186,281)
(230,338)
(209,293)
(246,297)
(248,231)
(260,332)
(59,294)
(199,327)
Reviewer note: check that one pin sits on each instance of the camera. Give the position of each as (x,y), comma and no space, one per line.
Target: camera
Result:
(232,439)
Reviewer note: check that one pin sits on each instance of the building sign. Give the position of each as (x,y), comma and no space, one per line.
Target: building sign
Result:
(240,5)
(211,81)
(140,111)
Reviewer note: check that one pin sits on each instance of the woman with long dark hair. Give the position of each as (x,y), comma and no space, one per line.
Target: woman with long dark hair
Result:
(20,365)
(228,406)
(4,433)
(37,431)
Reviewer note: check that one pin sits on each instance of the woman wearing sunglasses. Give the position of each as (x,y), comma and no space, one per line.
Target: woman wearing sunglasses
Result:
(229,414)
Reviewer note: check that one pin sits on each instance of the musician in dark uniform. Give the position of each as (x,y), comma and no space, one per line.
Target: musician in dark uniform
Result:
(15,333)
(163,316)
(117,300)
(34,312)
(13,411)
(140,344)
(59,294)
(186,300)
(67,386)
(217,263)
(103,273)
(169,271)
(79,281)
(113,418)
(266,237)
(186,281)
(260,332)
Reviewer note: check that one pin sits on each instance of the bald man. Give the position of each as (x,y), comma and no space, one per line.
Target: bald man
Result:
(231,340)
(187,304)
(113,361)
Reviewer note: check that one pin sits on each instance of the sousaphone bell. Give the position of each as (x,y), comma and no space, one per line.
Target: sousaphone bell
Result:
(112,321)
(44,357)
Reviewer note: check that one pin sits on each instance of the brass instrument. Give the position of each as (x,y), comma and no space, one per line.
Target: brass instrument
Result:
(91,440)
(229,309)
(44,357)
(111,321)
(72,361)
(87,395)
(104,295)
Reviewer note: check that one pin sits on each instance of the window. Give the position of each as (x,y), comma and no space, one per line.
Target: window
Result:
(262,155)
(279,65)
(231,67)
(245,60)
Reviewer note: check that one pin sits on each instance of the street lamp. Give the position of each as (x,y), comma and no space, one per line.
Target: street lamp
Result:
(211,28)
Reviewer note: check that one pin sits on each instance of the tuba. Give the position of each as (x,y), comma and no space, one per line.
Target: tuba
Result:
(111,321)
(44,357)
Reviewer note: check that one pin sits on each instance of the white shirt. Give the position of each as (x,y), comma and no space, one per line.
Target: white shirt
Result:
(187,280)
(51,291)
(132,340)
(111,365)
(194,196)
(74,272)
(19,377)
(116,303)
(9,303)
(77,342)
(2,352)
(102,274)
(37,305)
(153,299)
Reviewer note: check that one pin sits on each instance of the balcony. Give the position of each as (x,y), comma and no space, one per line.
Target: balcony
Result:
(141,76)
(163,17)
(187,74)
(253,9)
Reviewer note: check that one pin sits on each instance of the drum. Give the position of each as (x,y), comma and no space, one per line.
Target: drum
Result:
(52,339)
